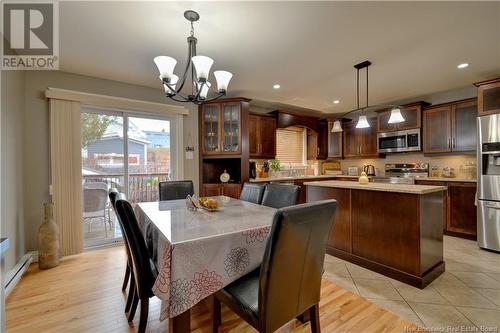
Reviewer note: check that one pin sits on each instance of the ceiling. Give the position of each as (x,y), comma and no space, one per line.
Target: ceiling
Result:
(309,48)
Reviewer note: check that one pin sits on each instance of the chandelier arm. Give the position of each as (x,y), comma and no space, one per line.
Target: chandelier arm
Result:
(188,62)
(219,95)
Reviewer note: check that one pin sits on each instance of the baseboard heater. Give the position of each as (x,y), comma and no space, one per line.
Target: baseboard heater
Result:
(15,274)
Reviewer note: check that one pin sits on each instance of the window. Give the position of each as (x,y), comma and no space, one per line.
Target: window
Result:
(290,145)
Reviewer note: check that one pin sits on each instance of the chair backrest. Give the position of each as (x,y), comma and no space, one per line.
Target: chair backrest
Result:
(294,254)
(113,194)
(141,265)
(252,192)
(280,195)
(94,199)
(174,190)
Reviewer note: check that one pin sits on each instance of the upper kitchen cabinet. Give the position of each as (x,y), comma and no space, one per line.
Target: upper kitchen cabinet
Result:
(488,97)
(334,142)
(360,142)
(262,136)
(317,142)
(412,113)
(450,128)
(221,126)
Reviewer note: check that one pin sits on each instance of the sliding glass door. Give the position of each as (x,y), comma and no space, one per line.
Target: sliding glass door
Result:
(130,152)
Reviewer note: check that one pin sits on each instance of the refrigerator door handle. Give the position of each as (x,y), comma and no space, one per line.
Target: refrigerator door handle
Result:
(492,207)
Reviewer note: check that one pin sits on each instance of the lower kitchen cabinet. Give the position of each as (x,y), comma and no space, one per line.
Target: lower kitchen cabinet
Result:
(460,209)
(229,190)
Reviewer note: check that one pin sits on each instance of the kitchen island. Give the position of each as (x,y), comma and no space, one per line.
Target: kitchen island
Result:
(393,229)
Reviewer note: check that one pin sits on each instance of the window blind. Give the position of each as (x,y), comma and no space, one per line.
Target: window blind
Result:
(290,145)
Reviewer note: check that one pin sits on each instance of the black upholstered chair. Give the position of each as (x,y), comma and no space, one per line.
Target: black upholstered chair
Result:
(288,282)
(174,190)
(252,192)
(280,195)
(113,193)
(143,269)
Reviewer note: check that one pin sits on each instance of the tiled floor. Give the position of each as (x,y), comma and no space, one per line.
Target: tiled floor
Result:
(467,295)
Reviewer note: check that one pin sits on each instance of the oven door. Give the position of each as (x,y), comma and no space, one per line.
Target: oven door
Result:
(392,142)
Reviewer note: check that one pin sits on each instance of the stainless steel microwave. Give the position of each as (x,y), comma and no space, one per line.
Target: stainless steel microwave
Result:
(397,142)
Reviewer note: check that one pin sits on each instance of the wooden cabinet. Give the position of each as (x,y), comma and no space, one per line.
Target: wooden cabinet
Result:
(360,142)
(262,136)
(459,207)
(461,211)
(450,128)
(312,145)
(221,128)
(334,143)
(229,190)
(488,97)
(317,142)
(412,113)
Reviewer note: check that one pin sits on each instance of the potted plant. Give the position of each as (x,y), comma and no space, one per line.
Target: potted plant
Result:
(275,166)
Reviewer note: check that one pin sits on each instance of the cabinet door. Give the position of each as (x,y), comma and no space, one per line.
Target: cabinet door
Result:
(334,143)
(231,124)
(210,129)
(383,122)
(412,116)
(253,137)
(351,140)
(462,213)
(312,145)
(368,144)
(437,130)
(322,141)
(267,134)
(464,126)
(211,190)
(488,98)
(231,190)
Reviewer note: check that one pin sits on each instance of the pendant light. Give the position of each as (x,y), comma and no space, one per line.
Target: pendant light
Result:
(396,116)
(337,127)
(362,121)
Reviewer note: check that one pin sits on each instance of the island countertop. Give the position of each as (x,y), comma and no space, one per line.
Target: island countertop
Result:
(384,187)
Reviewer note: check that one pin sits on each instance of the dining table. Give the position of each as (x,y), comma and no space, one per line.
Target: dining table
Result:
(197,252)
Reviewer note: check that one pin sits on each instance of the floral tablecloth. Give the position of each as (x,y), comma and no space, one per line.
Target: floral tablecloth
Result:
(198,253)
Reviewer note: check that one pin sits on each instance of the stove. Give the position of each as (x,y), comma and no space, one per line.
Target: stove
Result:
(412,170)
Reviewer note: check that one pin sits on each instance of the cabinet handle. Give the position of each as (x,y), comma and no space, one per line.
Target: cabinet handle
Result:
(317,153)
(453,143)
(449,142)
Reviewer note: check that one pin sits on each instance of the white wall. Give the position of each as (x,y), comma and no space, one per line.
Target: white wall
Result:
(12,130)
(36,133)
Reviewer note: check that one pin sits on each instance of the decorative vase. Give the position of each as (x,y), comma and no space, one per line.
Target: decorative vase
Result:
(48,240)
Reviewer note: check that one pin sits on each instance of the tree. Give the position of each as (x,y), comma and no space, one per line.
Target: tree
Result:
(93,127)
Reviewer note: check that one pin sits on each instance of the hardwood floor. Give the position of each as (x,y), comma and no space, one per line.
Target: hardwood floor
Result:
(83,294)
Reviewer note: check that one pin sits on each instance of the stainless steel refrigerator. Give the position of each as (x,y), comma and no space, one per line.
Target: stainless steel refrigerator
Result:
(488,162)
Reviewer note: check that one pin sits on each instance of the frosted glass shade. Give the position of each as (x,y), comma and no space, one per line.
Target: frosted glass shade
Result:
(223,78)
(204,90)
(165,66)
(202,64)
(362,122)
(337,127)
(396,116)
(173,81)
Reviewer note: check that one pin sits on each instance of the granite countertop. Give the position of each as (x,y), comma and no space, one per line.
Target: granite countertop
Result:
(446,179)
(277,179)
(384,187)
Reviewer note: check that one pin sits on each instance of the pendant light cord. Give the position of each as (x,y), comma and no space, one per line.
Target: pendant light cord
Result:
(367,87)
(357,87)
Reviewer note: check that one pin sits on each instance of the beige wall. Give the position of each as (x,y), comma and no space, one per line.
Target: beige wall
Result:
(12,121)
(36,133)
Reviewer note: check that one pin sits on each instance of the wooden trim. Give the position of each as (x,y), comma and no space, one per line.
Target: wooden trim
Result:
(113,102)
(460,101)
(229,100)
(482,83)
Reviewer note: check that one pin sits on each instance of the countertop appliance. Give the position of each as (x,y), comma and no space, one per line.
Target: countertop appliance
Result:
(253,170)
(412,170)
(488,162)
(369,170)
(400,141)
(352,171)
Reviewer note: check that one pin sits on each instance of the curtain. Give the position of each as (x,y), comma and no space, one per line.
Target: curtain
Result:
(66,173)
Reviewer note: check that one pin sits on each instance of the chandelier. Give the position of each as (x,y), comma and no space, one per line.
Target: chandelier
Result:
(396,116)
(198,67)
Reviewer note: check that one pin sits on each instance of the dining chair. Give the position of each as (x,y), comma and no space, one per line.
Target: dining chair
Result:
(174,190)
(143,268)
(288,282)
(280,195)
(113,193)
(252,192)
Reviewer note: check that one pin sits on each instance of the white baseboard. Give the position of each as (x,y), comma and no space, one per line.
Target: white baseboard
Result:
(14,275)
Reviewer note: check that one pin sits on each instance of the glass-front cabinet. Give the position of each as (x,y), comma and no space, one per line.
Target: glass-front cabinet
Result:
(221,125)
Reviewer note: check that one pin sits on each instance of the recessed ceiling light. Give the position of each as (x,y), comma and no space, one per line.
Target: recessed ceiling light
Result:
(462,66)
(276,86)
(336,101)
